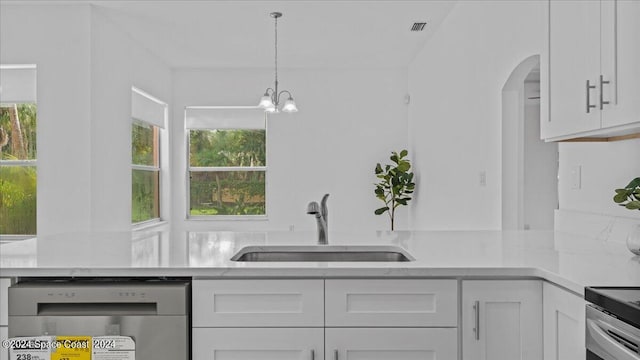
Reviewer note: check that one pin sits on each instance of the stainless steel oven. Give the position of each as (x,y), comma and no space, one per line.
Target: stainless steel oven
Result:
(613,323)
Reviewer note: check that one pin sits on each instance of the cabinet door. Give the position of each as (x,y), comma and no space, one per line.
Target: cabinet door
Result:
(620,61)
(502,320)
(564,329)
(257,344)
(391,343)
(574,58)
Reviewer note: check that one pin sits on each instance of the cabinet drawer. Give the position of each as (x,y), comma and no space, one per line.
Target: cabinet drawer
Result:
(392,343)
(390,302)
(4,301)
(257,303)
(258,344)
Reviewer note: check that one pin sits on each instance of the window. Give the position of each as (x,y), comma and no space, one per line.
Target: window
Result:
(227,161)
(18,173)
(148,120)
(145,172)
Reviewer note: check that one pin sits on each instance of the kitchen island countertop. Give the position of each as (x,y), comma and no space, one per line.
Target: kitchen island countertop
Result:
(569,261)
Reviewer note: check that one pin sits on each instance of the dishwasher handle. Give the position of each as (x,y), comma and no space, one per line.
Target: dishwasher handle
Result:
(96,309)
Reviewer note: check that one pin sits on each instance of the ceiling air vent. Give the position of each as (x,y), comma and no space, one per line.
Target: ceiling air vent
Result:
(419,26)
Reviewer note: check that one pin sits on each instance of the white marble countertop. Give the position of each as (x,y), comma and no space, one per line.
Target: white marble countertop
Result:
(568,260)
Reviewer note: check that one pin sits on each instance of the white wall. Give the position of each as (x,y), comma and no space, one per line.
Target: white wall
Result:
(456,85)
(540,193)
(117,64)
(348,120)
(85,70)
(604,167)
(57,39)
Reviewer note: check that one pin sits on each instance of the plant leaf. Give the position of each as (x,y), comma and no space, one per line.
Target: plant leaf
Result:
(620,197)
(403,153)
(635,183)
(381,210)
(633,205)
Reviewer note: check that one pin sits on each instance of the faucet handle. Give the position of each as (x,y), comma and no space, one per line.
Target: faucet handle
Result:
(313,208)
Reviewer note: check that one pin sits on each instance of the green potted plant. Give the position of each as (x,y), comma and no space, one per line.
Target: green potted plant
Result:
(395,185)
(629,197)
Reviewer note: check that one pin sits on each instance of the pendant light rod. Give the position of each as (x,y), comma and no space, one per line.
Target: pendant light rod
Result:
(275,15)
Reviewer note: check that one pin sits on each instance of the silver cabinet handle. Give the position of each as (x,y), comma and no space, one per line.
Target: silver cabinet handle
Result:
(313,354)
(335,354)
(476,312)
(589,87)
(602,101)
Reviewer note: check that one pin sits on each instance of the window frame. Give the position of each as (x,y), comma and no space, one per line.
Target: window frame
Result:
(189,169)
(151,169)
(158,132)
(25,95)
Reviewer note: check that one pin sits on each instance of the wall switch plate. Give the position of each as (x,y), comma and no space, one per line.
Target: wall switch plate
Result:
(482,177)
(576,177)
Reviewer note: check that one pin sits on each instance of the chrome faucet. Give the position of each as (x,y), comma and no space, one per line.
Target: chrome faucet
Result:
(322,218)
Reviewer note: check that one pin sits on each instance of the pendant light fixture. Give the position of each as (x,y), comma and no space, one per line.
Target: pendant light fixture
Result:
(270,101)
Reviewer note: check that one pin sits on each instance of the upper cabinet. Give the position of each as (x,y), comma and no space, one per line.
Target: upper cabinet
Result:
(592,66)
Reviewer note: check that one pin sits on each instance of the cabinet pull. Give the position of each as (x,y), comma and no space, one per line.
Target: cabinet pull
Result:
(476,312)
(602,101)
(335,354)
(313,354)
(589,87)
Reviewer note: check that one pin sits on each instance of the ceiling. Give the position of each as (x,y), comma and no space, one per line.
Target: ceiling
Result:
(311,34)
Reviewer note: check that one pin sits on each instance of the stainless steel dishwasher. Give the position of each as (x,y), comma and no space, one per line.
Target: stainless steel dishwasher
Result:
(155,313)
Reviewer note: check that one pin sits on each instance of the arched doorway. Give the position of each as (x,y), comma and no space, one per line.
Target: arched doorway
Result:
(529,165)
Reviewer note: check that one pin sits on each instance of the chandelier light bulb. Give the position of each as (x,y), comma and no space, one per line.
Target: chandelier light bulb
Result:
(266,102)
(289,106)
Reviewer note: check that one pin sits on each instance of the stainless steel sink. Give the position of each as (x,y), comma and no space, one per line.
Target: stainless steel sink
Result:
(323,253)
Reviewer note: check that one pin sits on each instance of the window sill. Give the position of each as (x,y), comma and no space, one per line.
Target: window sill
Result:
(10,238)
(148,225)
(228,218)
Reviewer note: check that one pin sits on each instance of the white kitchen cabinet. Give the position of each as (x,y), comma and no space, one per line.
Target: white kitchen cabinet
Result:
(502,320)
(620,58)
(574,58)
(391,302)
(593,69)
(258,344)
(391,343)
(258,303)
(564,324)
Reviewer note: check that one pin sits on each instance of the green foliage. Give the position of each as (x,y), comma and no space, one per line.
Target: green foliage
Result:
(227,192)
(629,197)
(227,147)
(27,121)
(142,144)
(17,200)
(395,185)
(145,195)
(18,186)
